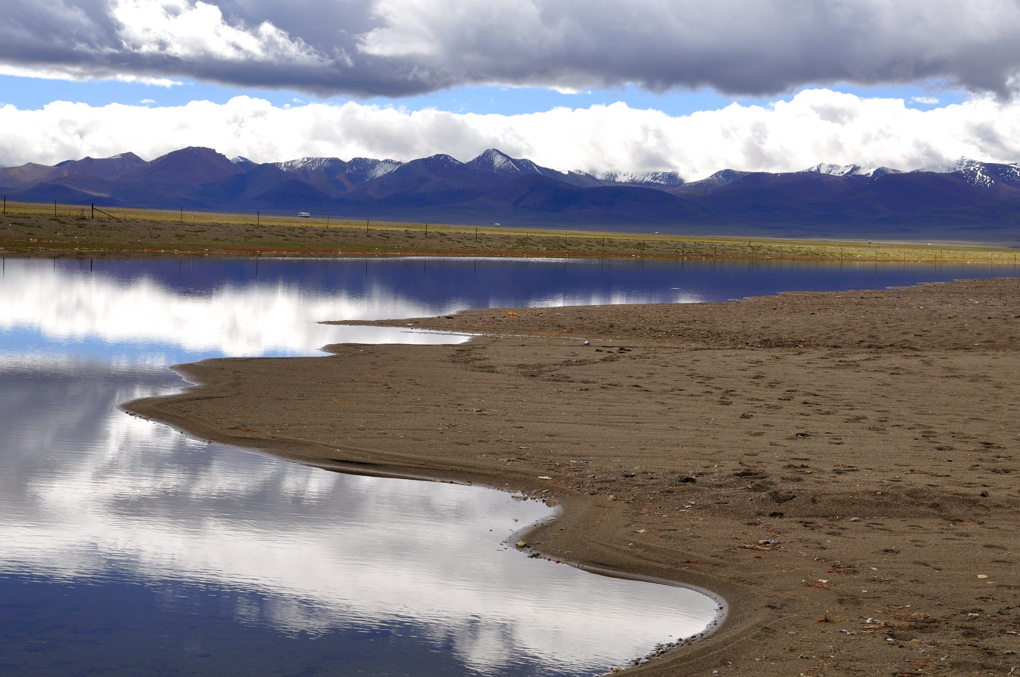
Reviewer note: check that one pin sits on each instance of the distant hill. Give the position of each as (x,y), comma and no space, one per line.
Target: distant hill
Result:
(968,201)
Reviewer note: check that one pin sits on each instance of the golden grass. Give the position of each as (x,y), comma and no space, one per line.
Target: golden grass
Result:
(48,229)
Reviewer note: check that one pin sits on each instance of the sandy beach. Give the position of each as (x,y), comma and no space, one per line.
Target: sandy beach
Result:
(841,468)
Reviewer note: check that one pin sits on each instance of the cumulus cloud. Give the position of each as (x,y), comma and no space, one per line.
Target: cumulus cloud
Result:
(812,127)
(179,30)
(398,47)
(154,41)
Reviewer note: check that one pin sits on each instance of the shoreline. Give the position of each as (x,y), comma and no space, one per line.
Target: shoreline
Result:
(838,467)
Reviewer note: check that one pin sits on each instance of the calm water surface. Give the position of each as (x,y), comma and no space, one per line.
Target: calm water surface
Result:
(128,548)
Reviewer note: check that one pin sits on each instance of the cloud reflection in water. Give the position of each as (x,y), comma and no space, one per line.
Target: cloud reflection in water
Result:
(272,314)
(102,494)
(92,497)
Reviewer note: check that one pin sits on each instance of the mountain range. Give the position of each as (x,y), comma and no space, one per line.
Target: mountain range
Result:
(967,201)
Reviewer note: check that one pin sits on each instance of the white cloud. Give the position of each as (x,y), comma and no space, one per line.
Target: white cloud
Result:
(156,41)
(812,127)
(152,82)
(399,47)
(189,31)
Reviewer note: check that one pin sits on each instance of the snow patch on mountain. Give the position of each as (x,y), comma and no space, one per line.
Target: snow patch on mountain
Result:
(668,179)
(318,165)
(981,174)
(849,170)
(976,175)
(370,168)
(723,177)
(360,169)
(993,174)
(497,161)
(441,161)
(950,167)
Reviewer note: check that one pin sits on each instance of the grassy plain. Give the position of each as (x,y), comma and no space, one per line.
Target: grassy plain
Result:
(35,229)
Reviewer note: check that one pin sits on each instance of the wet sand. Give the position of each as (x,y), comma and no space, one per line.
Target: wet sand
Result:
(842,468)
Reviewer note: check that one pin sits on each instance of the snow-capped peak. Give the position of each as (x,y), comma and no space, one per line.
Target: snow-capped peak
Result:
(313,164)
(498,160)
(642,178)
(981,174)
(843,170)
(501,163)
(370,168)
(958,165)
(440,161)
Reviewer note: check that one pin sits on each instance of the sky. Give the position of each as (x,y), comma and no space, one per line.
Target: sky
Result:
(624,86)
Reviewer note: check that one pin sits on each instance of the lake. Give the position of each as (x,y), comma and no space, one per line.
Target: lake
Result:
(129,548)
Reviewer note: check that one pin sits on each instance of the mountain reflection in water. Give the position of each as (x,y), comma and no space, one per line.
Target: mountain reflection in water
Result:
(185,309)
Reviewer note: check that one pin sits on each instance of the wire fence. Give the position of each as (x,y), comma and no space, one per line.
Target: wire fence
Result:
(183,216)
(534,238)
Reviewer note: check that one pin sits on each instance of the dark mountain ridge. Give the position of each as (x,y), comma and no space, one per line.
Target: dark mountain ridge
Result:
(969,201)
